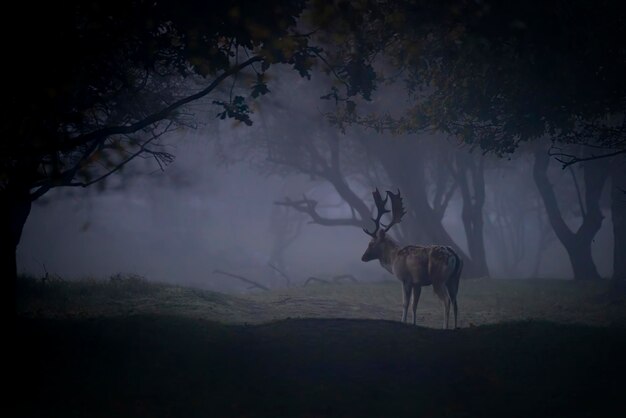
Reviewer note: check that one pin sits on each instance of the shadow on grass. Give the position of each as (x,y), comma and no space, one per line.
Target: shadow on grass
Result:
(160,366)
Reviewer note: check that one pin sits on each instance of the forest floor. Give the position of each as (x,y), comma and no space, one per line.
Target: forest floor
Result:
(133,348)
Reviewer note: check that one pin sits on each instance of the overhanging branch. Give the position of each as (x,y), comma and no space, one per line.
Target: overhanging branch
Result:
(567,160)
(309,207)
(104,133)
(65,179)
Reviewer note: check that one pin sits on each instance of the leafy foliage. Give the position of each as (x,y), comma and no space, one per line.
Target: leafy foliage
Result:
(237,109)
(494,74)
(260,88)
(95,84)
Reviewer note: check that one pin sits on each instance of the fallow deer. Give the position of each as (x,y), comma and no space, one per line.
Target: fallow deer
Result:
(414,265)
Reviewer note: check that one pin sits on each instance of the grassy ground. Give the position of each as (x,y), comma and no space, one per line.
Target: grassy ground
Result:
(484,301)
(134,349)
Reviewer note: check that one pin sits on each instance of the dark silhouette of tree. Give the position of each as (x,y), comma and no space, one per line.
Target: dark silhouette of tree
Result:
(353,164)
(469,172)
(577,243)
(495,75)
(94,85)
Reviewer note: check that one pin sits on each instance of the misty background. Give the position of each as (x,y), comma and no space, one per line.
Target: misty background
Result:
(213,208)
(188,190)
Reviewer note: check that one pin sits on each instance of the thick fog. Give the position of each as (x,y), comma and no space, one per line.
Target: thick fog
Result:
(214,207)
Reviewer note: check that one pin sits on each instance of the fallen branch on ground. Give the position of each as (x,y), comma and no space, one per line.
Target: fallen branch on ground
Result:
(251,282)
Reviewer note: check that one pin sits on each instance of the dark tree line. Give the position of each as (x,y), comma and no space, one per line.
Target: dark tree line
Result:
(495,76)
(433,172)
(97,84)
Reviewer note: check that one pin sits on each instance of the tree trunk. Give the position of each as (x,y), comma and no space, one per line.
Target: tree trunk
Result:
(582,261)
(618,216)
(469,175)
(578,244)
(14,209)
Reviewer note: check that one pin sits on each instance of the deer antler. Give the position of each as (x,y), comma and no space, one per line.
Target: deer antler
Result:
(380,206)
(397,210)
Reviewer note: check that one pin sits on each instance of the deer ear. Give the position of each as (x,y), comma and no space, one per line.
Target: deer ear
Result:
(381,233)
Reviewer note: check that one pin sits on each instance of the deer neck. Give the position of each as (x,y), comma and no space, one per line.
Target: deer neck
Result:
(389,253)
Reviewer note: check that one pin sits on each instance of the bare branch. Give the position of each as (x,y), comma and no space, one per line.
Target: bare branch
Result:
(309,207)
(158,155)
(65,178)
(251,282)
(104,133)
(567,160)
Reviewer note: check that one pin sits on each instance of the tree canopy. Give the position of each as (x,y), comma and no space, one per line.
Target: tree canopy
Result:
(94,83)
(496,74)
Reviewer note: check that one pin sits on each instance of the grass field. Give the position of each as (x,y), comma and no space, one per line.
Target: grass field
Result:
(130,348)
(484,301)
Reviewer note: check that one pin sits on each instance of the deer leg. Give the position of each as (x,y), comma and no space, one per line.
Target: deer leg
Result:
(444,296)
(417,290)
(406,287)
(454,306)
(452,292)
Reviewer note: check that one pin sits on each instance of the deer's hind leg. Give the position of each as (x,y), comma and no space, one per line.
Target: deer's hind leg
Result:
(444,296)
(417,290)
(406,298)
(453,287)
(452,291)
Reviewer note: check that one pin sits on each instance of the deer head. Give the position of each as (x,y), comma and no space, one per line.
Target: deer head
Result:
(380,241)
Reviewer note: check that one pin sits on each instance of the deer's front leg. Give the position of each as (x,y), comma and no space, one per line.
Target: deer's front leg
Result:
(417,290)
(406,298)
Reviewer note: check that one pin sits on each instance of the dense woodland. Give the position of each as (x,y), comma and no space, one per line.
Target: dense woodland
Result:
(432,99)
